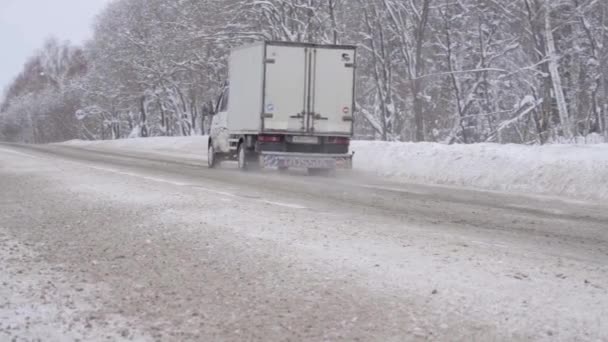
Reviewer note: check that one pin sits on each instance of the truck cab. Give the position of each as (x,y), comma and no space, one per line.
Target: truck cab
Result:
(286,105)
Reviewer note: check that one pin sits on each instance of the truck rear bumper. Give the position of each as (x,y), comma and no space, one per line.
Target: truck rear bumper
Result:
(306,160)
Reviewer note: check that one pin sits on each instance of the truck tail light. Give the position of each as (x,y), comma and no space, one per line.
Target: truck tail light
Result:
(338,140)
(269,138)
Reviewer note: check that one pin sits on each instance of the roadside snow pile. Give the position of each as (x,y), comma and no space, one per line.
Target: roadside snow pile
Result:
(579,171)
(185,147)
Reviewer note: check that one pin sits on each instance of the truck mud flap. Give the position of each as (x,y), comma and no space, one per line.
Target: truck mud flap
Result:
(306,161)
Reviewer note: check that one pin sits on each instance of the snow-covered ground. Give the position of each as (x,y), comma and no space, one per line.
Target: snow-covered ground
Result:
(574,171)
(42,302)
(132,247)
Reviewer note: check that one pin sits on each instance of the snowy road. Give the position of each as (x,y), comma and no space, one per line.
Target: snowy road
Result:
(97,244)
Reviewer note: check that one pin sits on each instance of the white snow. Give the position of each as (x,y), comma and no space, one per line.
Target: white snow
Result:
(41,302)
(575,171)
(501,283)
(184,147)
(592,138)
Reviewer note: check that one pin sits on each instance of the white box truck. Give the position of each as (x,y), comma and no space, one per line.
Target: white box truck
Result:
(286,105)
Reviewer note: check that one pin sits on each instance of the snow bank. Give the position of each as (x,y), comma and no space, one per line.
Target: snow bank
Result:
(185,147)
(576,171)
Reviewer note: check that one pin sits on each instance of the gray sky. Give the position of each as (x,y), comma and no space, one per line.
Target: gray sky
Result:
(26,24)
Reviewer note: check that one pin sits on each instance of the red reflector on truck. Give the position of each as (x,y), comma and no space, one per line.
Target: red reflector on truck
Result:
(338,140)
(269,138)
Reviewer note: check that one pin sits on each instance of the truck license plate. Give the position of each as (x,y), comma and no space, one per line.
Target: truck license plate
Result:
(310,163)
(305,140)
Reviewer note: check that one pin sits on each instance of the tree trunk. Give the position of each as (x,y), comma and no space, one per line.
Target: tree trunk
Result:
(419,67)
(556,79)
(332,16)
(163,119)
(193,113)
(453,79)
(143,118)
(418,116)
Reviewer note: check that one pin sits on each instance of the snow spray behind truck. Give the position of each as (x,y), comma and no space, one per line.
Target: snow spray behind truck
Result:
(286,105)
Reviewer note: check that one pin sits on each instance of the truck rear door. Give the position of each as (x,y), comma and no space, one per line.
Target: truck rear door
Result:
(309,89)
(332,91)
(285,88)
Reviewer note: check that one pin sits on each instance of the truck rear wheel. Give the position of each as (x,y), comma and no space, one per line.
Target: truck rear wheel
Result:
(241,157)
(247,160)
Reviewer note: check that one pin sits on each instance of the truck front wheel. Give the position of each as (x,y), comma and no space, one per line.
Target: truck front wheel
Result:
(211,156)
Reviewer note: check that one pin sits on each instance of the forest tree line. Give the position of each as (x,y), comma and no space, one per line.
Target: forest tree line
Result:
(467,71)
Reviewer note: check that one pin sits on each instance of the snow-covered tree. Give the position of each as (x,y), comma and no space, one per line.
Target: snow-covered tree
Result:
(467,71)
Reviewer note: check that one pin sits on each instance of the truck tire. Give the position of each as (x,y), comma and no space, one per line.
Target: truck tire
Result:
(212,161)
(247,160)
(241,157)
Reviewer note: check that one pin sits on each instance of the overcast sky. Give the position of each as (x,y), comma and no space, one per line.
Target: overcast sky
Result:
(26,24)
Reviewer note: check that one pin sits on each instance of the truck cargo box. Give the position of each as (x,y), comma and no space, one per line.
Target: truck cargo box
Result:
(292,88)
